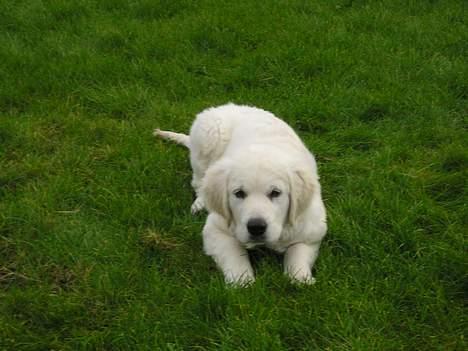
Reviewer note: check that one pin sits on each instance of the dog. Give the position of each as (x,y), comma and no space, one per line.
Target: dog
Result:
(260,186)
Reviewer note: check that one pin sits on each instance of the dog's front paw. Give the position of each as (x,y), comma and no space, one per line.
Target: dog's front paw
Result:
(197,205)
(303,277)
(239,279)
(303,280)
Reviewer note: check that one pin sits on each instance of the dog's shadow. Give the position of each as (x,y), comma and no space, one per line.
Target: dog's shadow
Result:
(266,260)
(260,256)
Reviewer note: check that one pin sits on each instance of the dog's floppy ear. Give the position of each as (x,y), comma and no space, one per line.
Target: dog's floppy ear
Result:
(214,190)
(303,183)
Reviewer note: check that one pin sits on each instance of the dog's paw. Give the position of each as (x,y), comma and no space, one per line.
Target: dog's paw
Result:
(239,280)
(301,277)
(197,205)
(303,281)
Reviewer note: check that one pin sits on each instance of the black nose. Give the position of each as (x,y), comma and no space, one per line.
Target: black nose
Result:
(256,226)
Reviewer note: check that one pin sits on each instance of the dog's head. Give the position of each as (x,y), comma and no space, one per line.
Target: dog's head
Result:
(260,196)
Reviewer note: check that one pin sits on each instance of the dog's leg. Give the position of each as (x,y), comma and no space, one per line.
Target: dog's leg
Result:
(227,252)
(197,205)
(298,261)
(199,166)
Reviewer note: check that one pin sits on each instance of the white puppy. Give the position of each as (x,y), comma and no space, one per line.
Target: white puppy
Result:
(260,186)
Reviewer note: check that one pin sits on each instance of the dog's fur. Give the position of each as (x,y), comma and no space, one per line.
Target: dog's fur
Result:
(248,164)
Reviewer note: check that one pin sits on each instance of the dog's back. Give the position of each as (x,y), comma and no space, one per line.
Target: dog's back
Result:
(229,128)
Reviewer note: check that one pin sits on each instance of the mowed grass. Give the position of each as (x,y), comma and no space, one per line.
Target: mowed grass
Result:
(98,250)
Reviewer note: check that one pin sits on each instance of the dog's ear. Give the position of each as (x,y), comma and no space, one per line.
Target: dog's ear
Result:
(303,183)
(214,190)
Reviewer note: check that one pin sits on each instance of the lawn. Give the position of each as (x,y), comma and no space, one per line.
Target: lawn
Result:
(98,249)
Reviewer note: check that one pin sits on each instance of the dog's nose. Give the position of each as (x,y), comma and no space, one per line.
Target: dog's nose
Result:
(256,227)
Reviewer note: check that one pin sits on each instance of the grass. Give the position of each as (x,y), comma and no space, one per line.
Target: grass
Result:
(97,246)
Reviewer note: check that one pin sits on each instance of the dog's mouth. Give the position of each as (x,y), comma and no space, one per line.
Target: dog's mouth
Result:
(252,244)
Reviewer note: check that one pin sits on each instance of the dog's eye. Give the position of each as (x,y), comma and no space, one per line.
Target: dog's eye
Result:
(240,194)
(274,193)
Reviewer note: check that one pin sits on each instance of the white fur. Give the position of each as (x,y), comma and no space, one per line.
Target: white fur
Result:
(236,147)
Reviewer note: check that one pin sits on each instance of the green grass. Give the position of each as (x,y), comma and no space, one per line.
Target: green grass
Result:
(98,250)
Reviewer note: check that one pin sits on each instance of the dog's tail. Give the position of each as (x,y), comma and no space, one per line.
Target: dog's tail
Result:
(179,138)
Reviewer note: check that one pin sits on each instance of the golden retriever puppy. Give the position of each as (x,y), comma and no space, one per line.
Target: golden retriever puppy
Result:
(260,186)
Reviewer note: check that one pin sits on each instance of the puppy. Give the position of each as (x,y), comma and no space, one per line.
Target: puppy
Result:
(260,186)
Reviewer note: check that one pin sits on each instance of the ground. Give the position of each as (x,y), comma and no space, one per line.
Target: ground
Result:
(98,249)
